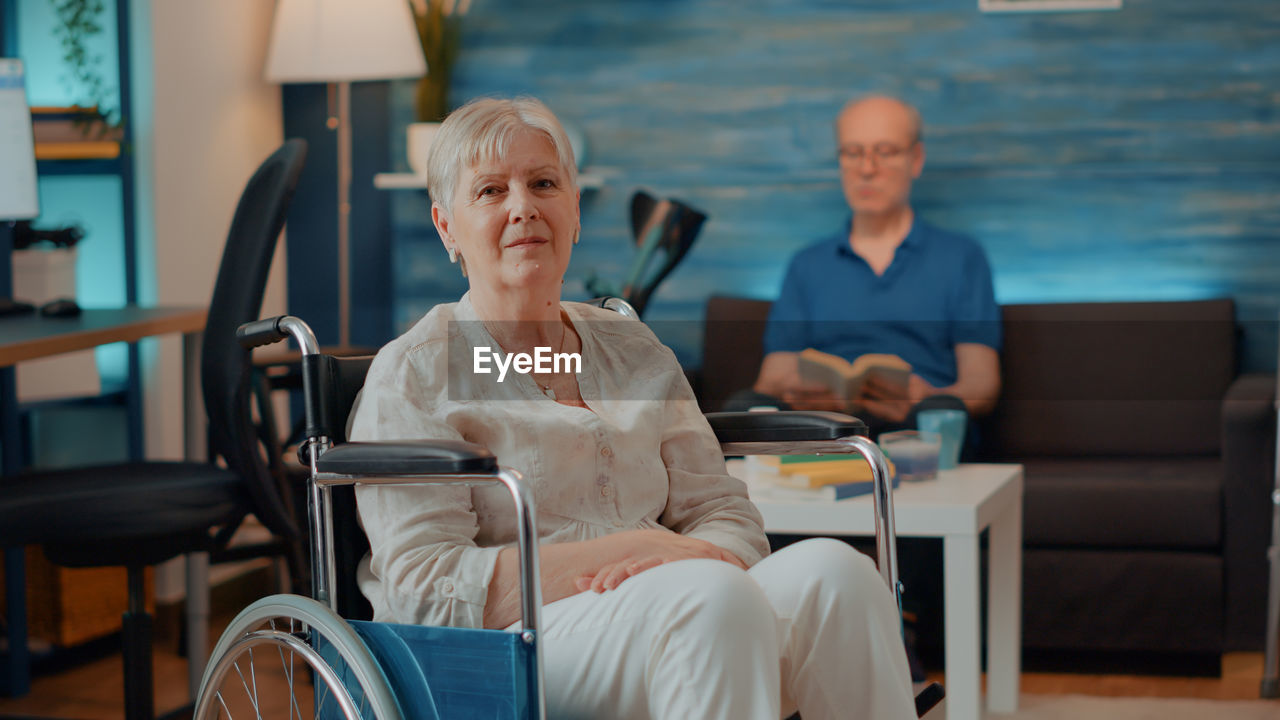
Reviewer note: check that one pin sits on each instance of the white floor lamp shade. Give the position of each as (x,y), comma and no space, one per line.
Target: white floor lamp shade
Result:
(343,41)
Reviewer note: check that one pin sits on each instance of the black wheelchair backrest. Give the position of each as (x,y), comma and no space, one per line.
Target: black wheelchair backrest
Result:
(331,385)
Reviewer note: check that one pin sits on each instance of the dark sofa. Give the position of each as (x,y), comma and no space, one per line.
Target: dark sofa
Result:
(1148,469)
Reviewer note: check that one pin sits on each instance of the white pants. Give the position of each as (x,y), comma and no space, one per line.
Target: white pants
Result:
(812,627)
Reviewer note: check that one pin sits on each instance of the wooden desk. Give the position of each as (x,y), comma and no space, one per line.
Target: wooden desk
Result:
(29,337)
(32,336)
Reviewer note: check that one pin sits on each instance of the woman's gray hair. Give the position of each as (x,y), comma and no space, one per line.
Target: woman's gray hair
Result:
(483,130)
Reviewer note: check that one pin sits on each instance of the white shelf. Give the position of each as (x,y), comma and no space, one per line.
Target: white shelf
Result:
(413,181)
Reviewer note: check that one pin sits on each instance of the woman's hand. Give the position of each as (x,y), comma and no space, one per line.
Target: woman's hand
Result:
(648,549)
(598,564)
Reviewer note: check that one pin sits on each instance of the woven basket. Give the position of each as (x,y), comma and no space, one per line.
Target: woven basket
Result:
(70,606)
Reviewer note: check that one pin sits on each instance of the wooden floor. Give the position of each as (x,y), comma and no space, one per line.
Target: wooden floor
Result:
(1240,680)
(93,690)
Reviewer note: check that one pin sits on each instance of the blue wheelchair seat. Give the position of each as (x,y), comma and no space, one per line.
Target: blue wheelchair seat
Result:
(444,672)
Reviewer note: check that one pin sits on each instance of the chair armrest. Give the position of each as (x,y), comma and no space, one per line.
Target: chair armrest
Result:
(788,426)
(444,462)
(798,431)
(408,457)
(1248,475)
(1250,398)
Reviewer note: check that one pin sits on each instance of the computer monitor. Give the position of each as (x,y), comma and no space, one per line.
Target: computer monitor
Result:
(18,195)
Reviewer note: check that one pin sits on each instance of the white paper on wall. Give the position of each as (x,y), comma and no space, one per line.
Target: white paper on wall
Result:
(18,197)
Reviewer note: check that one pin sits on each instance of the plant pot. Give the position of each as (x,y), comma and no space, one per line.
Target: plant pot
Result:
(418,145)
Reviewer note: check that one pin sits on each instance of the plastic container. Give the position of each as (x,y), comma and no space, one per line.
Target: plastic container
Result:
(914,453)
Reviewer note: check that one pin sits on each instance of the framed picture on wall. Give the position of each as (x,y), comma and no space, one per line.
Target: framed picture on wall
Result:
(1047,5)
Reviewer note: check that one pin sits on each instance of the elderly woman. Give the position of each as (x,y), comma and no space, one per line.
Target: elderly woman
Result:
(660,600)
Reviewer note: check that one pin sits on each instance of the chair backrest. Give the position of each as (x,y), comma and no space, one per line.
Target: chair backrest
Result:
(330,385)
(733,347)
(1118,379)
(237,299)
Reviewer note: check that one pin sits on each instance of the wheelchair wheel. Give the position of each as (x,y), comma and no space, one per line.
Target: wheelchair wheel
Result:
(289,656)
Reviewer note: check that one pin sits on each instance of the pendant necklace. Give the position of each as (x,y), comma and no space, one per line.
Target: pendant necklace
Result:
(546,389)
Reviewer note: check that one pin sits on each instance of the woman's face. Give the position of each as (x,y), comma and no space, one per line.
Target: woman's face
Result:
(513,218)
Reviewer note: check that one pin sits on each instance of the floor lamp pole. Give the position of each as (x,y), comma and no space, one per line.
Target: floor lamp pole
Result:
(344,214)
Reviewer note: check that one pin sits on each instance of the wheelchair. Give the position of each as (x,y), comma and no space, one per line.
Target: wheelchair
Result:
(298,656)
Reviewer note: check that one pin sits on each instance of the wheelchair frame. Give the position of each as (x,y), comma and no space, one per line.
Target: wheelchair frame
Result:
(740,434)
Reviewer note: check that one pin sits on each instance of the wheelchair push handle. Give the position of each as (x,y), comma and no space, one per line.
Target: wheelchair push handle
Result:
(272,330)
(260,332)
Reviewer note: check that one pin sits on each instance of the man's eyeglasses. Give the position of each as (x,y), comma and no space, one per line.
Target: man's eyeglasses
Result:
(882,153)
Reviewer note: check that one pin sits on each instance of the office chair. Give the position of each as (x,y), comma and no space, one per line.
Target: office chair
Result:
(331,656)
(138,514)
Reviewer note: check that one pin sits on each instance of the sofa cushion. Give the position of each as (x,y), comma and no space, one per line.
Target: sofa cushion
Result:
(1117,379)
(1122,600)
(1132,503)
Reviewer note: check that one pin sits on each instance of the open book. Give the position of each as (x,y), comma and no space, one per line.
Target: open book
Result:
(845,378)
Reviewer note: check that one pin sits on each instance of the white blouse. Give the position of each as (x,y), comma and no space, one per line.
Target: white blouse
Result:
(643,456)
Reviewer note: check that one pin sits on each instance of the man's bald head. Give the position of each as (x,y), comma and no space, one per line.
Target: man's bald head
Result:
(883,110)
(881,154)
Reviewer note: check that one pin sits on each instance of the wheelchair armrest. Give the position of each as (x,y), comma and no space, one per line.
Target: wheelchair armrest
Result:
(787,426)
(408,457)
(433,461)
(802,431)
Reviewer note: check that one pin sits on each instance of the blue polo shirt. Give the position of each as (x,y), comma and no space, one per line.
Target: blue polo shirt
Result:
(936,293)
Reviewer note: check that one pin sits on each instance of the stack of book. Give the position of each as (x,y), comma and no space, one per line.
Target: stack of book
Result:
(815,477)
(73,133)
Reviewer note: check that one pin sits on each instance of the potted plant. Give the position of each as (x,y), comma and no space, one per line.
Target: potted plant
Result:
(439,26)
(78,21)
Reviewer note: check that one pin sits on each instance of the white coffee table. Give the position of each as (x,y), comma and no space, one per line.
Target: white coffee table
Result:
(956,507)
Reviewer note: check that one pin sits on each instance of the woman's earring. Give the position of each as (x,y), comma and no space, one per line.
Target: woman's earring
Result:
(453,255)
(576,232)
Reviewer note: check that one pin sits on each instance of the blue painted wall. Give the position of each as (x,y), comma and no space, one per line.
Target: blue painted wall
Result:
(92,201)
(1096,156)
